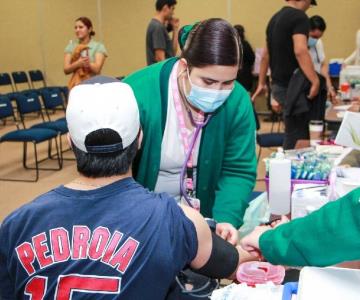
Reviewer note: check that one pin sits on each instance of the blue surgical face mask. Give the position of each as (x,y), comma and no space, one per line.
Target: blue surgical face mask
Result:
(312,42)
(207,100)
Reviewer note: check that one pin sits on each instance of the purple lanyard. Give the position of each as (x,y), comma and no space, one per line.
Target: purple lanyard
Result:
(186,175)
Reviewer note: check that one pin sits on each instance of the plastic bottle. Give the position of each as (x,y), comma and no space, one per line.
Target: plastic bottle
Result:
(279,184)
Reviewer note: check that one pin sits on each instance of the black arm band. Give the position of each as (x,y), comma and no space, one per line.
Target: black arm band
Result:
(223,260)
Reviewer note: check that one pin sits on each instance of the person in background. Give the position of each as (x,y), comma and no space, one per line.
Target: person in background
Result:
(326,237)
(103,235)
(199,129)
(316,48)
(285,51)
(354,58)
(159,46)
(84,57)
(245,75)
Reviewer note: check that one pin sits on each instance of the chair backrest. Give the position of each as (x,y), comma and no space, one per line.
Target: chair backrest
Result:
(28,102)
(6,109)
(52,98)
(20,77)
(35,76)
(5,80)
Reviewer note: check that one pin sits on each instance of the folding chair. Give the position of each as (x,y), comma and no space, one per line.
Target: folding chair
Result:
(267,140)
(52,100)
(28,102)
(20,77)
(38,76)
(5,81)
(25,136)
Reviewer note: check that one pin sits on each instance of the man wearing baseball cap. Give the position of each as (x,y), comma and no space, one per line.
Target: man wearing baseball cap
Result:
(103,235)
(286,50)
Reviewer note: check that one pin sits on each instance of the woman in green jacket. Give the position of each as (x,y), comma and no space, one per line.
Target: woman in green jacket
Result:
(198,125)
(326,237)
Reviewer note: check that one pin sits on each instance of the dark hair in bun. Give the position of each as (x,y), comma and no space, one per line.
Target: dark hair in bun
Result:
(210,42)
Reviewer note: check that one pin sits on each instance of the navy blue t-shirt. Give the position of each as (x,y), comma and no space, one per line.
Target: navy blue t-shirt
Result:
(282,27)
(116,242)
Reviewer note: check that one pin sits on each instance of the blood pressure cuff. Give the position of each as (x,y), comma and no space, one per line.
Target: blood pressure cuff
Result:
(223,260)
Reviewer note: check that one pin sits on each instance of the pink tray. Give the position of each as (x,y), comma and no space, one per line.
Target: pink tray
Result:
(297,181)
(257,272)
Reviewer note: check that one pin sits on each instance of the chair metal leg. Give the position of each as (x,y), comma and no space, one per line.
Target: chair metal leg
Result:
(37,162)
(62,152)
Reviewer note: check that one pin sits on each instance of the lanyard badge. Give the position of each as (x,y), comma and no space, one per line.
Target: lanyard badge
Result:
(187,190)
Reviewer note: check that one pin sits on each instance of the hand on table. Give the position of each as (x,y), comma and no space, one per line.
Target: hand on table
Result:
(356,100)
(332,96)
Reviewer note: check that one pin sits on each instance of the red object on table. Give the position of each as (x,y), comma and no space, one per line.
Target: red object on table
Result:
(257,272)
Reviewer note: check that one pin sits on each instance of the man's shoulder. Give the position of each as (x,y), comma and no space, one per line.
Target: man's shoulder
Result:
(155,24)
(289,13)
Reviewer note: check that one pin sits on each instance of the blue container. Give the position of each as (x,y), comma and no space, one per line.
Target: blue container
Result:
(334,69)
(290,289)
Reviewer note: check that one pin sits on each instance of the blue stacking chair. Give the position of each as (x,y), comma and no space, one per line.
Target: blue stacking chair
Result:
(29,102)
(38,76)
(267,140)
(52,100)
(25,136)
(5,80)
(20,77)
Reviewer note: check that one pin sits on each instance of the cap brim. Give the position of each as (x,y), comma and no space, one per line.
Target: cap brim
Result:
(313,2)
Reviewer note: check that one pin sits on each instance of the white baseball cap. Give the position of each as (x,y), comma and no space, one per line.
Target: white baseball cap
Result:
(102,103)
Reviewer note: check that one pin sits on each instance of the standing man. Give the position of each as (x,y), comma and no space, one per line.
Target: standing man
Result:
(159,46)
(287,50)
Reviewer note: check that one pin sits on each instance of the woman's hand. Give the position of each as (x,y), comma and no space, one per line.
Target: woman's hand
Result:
(83,62)
(250,243)
(259,90)
(227,232)
(332,95)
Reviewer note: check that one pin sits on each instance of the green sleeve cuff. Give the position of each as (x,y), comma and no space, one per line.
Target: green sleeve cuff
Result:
(266,247)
